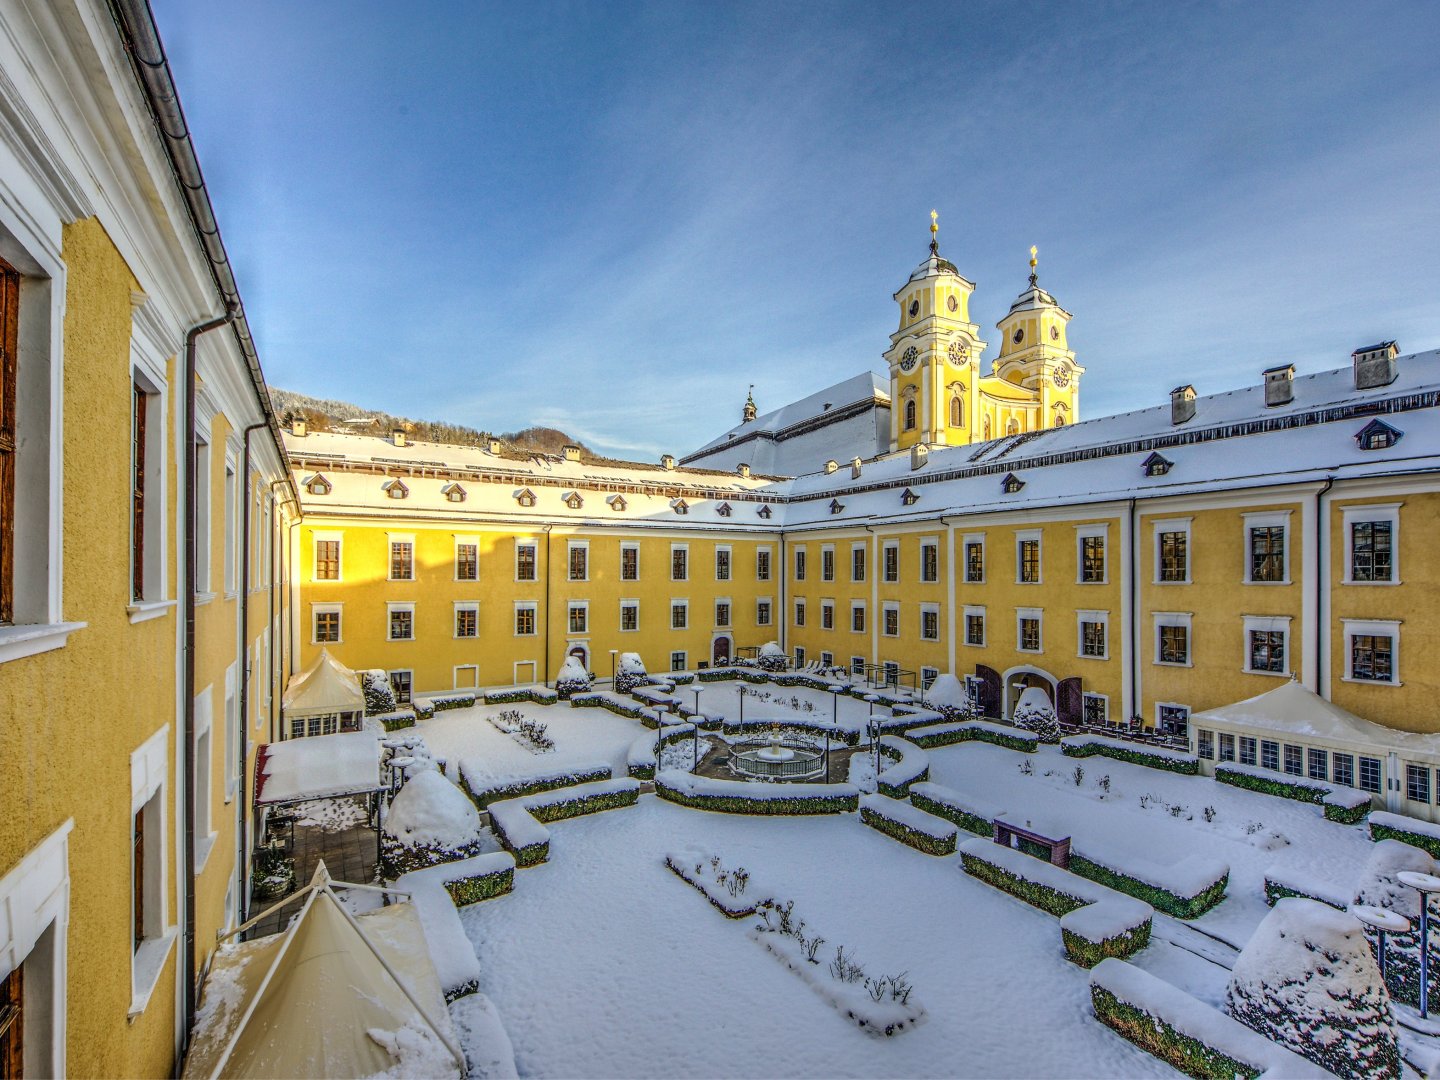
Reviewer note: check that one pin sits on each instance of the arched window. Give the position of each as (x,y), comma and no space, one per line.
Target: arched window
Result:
(957,412)
(1013,427)
(910,415)
(1059,420)
(987,429)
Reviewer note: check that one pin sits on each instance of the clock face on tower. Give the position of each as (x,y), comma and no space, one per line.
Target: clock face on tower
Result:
(1061,378)
(958,352)
(914,308)
(908,360)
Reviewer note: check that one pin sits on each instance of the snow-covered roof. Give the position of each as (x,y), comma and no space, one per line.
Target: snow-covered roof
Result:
(319,767)
(325,687)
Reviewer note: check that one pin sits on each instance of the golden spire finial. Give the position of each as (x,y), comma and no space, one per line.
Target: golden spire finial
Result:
(1034,261)
(934,231)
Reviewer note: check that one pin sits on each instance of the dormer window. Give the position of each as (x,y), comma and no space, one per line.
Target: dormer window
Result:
(909,498)
(1156,465)
(1378,435)
(680,506)
(525,497)
(723,509)
(764,511)
(1011,484)
(453,493)
(318,485)
(836,506)
(617,502)
(395,489)
(573,500)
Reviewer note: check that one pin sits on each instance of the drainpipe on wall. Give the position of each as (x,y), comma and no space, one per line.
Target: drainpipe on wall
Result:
(1322,617)
(187,951)
(548,576)
(1137,707)
(782,616)
(242,833)
(873,573)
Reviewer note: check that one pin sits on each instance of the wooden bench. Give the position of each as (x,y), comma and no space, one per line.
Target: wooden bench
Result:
(1007,832)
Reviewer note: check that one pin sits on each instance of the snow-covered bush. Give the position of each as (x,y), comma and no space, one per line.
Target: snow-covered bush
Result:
(1308,980)
(379,694)
(630,673)
(948,695)
(573,678)
(430,821)
(772,657)
(1035,713)
(1378,887)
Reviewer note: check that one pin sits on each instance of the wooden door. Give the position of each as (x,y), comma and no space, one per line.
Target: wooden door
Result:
(12,1025)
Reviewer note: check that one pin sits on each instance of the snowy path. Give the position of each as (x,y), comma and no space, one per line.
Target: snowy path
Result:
(603,963)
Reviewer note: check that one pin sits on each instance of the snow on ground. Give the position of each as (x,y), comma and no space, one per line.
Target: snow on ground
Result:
(582,737)
(604,963)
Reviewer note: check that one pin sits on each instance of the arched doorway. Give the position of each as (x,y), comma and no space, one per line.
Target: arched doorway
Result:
(1019,679)
(720,651)
(582,653)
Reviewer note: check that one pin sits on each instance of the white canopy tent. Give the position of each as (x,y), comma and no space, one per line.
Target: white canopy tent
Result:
(324,698)
(334,995)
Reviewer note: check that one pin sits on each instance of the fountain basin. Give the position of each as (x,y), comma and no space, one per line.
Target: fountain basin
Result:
(777,761)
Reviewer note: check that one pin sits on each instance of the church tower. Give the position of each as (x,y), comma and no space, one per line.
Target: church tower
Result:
(1034,355)
(934,356)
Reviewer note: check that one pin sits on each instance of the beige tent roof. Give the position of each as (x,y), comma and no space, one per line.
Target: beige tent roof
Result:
(1294,709)
(332,996)
(325,687)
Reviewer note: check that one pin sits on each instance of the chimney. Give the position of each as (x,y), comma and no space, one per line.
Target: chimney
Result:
(1182,404)
(919,454)
(1279,385)
(1375,365)
(854,468)
(494,447)
(831,466)
(667,462)
(398,437)
(298,428)
(743,470)
(570,452)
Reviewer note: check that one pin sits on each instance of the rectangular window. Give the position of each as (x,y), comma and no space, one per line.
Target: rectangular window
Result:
(974,561)
(629,615)
(1174,554)
(1227,746)
(891,553)
(1294,760)
(722,564)
(799,612)
(1371,551)
(629,562)
(927,676)
(1317,762)
(857,563)
(679,563)
(929,623)
(1267,650)
(1343,766)
(1417,783)
(400,682)
(327,560)
(402,622)
(678,661)
(1370,775)
(857,617)
(890,622)
(402,560)
(137,493)
(1370,658)
(9,368)
(525,562)
(722,613)
(1029,634)
(467,562)
(524,620)
(1267,553)
(762,564)
(1205,744)
(762,612)
(827,615)
(799,657)
(1027,560)
(929,562)
(1247,750)
(1172,638)
(974,629)
(1173,720)
(799,564)
(579,618)
(827,563)
(1092,559)
(232,525)
(1270,755)
(467,620)
(203,548)
(679,615)
(579,562)
(1097,708)
(327,626)
(1092,639)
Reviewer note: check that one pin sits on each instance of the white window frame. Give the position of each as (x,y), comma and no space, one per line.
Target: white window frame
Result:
(1172,618)
(534,546)
(460,541)
(326,536)
(1087,694)
(149,791)
(392,606)
(827,606)
(1268,519)
(673,549)
(457,607)
(929,609)
(967,612)
(1083,617)
(629,545)
(799,612)
(204,769)
(861,547)
(570,547)
(473,684)
(1090,531)
(729,624)
(147,370)
(1368,512)
(1038,614)
(684,604)
(830,550)
(523,605)
(1268,624)
(729,562)
(572,606)
(886,547)
(768,550)
(231,750)
(204,513)
(1022,536)
(887,608)
(1352,628)
(798,554)
(327,609)
(770,601)
(1177,525)
(684,664)
(859,605)
(965,542)
(624,603)
(929,541)
(392,539)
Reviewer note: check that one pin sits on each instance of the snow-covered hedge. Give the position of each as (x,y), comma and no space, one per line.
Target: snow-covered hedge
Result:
(1408,830)
(909,824)
(1152,757)
(640,758)
(429,821)
(1341,804)
(395,720)
(728,889)
(379,694)
(654,696)
(1379,886)
(1195,1038)
(572,678)
(485,787)
(1012,738)
(800,678)
(796,725)
(1036,713)
(518,831)
(629,673)
(437,892)
(772,657)
(1280,884)
(481,877)
(519,823)
(739,797)
(1186,889)
(510,695)
(968,813)
(910,765)
(458,699)
(1051,889)
(621,706)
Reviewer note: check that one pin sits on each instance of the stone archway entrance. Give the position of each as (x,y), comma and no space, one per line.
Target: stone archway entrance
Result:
(582,653)
(1018,680)
(720,651)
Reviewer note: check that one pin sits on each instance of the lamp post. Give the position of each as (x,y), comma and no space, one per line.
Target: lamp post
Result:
(1381,920)
(874,728)
(695,735)
(835,725)
(612,668)
(659,731)
(742,706)
(1425,885)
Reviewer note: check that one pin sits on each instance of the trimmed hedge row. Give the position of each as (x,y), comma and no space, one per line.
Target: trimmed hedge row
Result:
(599,699)
(1081,748)
(812,728)
(540,695)
(532,786)
(1154,1035)
(909,765)
(1266,785)
(1172,903)
(964,818)
(477,887)
(1382,830)
(1087,950)
(932,735)
(587,804)
(920,841)
(1033,893)
(842,802)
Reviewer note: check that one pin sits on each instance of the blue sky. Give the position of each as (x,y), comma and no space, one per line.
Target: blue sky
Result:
(612,218)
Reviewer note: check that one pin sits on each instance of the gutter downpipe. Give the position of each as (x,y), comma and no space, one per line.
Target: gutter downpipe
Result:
(549,576)
(1322,619)
(1132,629)
(187,951)
(242,833)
